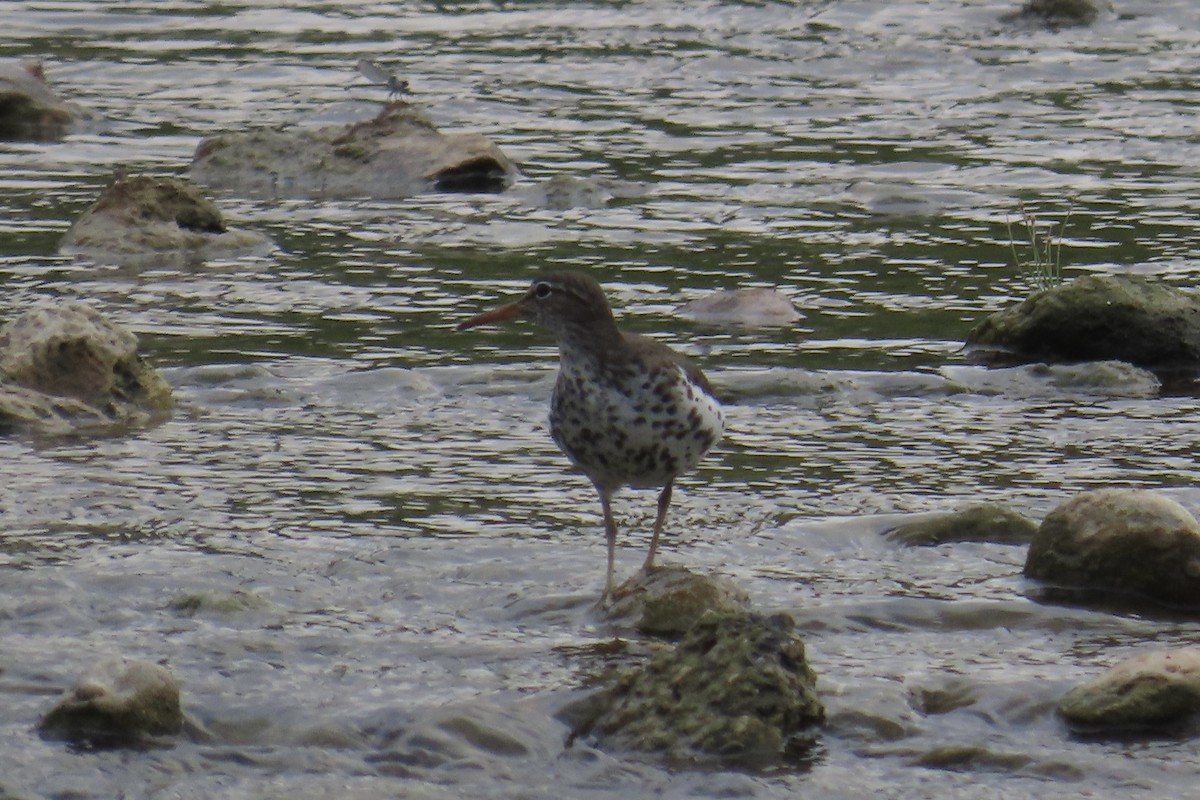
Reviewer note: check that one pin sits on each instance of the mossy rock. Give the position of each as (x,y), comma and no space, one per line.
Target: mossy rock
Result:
(1150,689)
(116,703)
(1096,318)
(667,601)
(737,688)
(1129,542)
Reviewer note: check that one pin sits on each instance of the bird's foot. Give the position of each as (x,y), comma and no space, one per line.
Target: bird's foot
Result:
(649,568)
(607,599)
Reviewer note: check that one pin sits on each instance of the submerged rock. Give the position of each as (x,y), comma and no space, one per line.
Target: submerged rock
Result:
(984,522)
(758,306)
(29,109)
(140,216)
(118,702)
(563,192)
(1157,688)
(397,154)
(736,688)
(64,367)
(1123,541)
(1095,318)
(196,603)
(667,601)
(1058,13)
(1104,378)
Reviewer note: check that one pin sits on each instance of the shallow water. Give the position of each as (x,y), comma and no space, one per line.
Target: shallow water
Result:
(419,558)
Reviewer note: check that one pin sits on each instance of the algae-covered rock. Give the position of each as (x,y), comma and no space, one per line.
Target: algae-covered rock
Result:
(29,109)
(983,522)
(1120,541)
(64,366)
(141,216)
(1157,688)
(194,603)
(737,687)
(1094,318)
(117,702)
(397,154)
(667,601)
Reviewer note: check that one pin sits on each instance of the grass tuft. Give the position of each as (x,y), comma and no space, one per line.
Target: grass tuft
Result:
(1042,269)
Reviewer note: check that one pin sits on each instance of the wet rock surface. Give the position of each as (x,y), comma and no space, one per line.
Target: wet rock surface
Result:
(148,217)
(117,702)
(397,154)
(1129,542)
(29,109)
(1099,317)
(65,367)
(736,688)
(983,522)
(1150,689)
(667,601)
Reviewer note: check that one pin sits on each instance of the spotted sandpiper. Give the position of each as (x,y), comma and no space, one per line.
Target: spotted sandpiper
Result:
(626,409)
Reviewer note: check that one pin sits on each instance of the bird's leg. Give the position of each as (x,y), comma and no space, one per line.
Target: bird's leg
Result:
(610,534)
(664,501)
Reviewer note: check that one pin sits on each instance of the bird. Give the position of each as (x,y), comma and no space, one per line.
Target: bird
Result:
(626,409)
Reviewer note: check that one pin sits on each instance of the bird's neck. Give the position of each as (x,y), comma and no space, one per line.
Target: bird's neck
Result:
(598,337)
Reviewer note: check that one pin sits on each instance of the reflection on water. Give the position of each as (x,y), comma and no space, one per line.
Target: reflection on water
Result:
(388,487)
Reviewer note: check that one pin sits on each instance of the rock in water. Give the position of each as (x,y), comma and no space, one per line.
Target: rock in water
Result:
(1122,541)
(117,702)
(1097,318)
(667,601)
(982,522)
(753,307)
(29,110)
(736,688)
(140,217)
(397,154)
(1156,688)
(64,367)
(1058,13)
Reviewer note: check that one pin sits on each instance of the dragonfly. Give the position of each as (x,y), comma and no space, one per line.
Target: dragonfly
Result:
(377,74)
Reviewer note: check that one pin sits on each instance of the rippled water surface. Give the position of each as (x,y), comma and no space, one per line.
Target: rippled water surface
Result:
(420,560)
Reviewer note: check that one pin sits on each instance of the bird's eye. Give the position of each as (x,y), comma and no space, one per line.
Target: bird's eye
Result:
(541,290)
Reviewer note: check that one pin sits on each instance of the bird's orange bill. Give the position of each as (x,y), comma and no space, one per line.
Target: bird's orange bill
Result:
(501,314)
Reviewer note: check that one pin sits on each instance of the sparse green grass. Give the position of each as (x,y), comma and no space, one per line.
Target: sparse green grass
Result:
(1042,269)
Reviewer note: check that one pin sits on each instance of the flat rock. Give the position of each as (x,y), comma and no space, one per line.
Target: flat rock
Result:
(1129,542)
(397,154)
(29,108)
(1156,688)
(1096,318)
(142,217)
(64,367)
(117,702)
